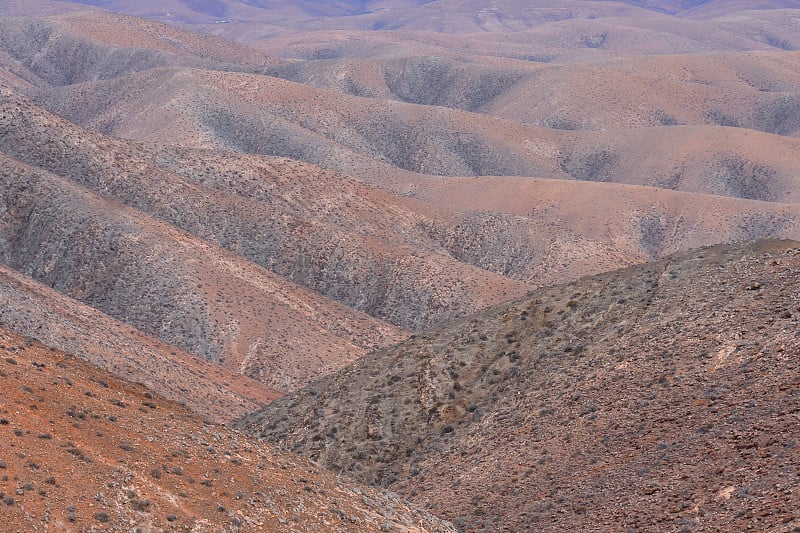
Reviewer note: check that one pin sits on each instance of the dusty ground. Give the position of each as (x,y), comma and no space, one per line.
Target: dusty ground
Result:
(84,451)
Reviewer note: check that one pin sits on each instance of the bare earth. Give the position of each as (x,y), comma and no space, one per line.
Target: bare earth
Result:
(229,201)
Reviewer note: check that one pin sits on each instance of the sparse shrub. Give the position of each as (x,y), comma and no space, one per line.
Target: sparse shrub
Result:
(594,166)
(744,179)
(562,123)
(76,452)
(597,40)
(141,506)
(720,118)
(664,119)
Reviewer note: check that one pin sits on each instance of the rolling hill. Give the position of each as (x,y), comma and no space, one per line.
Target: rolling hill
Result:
(35,311)
(656,397)
(173,285)
(333,193)
(387,235)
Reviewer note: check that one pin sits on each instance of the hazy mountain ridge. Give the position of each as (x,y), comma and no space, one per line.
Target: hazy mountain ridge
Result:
(504,16)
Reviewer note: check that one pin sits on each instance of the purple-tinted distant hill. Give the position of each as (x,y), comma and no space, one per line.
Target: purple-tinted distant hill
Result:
(286,13)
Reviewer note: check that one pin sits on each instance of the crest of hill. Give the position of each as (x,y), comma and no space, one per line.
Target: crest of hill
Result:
(753,90)
(600,223)
(90,46)
(368,249)
(717,8)
(656,397)
(212,391)
(81,450)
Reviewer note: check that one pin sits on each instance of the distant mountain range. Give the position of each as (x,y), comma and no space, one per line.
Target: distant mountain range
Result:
(383,14)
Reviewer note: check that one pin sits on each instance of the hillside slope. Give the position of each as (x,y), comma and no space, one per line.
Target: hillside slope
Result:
(362,247)
(378,141)
(663,396)
(173,285)
(81,450)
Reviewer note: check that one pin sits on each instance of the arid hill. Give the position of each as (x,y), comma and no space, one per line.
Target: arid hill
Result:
(694,145)
(663,396)
(752,90)
(360,246)
(82,450)
(91,46)
(174,285)
(332,234)
(227,200)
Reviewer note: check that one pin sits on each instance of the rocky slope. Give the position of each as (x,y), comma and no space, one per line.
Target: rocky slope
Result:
(82,450)
(663,396)
(173,285)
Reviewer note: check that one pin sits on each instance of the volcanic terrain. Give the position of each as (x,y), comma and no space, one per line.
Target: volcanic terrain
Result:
(211,204)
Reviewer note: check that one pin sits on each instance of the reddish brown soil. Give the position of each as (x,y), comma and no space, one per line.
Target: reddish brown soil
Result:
(81,450)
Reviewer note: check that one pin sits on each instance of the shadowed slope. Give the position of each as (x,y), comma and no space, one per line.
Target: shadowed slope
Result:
(172,285)
(363,247)
(654,397)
